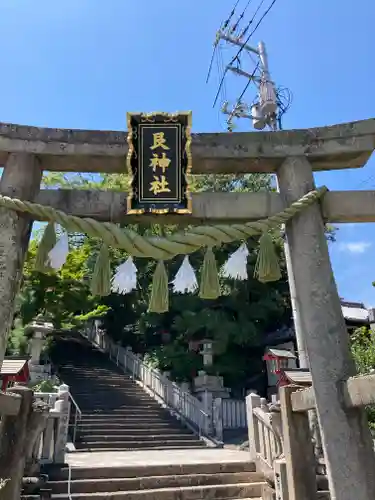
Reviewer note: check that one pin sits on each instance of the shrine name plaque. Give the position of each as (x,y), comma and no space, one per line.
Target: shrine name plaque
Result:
(159,163)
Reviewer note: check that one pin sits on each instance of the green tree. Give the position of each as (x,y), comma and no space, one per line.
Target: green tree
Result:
(62,296)
(235,322)
(363,350)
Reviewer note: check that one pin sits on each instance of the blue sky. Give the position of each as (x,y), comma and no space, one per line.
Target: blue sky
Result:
(84,63)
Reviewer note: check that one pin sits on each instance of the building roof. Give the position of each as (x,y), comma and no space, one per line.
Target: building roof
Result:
(356,312)
(298,376)
(282,353)
(13,365)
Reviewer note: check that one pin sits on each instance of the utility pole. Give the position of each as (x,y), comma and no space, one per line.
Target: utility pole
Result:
(264,110)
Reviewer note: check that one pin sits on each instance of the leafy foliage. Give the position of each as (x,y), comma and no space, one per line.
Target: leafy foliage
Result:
(235,322)
(46,386)
(64,296)
(17,340)
(363,350)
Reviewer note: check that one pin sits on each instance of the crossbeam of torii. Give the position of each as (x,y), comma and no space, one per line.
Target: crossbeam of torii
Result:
(293,156)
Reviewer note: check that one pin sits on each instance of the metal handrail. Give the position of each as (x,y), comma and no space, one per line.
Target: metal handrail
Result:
(137,362)
(112,351)
(77,417)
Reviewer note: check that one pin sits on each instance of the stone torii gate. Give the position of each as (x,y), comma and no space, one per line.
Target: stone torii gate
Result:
(26,152)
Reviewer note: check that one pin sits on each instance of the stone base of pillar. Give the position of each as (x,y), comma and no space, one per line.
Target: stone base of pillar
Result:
(210,383)
(38,373)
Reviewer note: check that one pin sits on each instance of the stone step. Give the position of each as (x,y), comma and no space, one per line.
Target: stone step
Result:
(130,422)
(132,444)
(124,410)
(144,431)
(152,482)
(130,390)
(121,394)
(193,446)
(120,408)
(222,491)
(105,497)
(132,387)
(132,400)
(120,423)
(134,471)
(131,419)
(107,374)
(93,438)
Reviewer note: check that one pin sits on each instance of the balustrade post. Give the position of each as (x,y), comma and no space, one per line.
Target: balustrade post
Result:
(48,438)
(298,449)
(252,401)
(13,440)
(281,480)
(217,417)
(62,406)
(207,400)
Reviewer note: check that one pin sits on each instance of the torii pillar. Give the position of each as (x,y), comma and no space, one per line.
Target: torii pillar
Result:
(20,179)
(347,442)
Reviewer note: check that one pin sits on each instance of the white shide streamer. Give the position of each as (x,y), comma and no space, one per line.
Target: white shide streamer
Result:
(125,278)
(185,279)
(236,265)
(59,253)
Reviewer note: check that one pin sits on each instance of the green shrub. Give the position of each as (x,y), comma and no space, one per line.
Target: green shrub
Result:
(17,341)
(45,386)
(363,349)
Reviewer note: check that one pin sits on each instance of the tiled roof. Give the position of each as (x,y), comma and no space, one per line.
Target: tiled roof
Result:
(355,313)
(299,376)
(282,353)
(13,366)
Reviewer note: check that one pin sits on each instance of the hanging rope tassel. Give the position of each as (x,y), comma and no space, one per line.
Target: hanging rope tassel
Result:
(101,278)
(185,280)
(47,242)
(59,253)
(267,265)
(236,266)
(159,300)
(125,279)
(210,286)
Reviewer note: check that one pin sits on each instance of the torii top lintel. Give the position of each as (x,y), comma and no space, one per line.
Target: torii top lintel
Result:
(347,145)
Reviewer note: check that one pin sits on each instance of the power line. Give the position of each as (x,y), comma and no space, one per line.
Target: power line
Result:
(224,26)
(244,31)
(243,92)
(243,45)
(248,83)
(220,86)
(270,102)
(254,30)
(225,23)
(211,62)
(235,26)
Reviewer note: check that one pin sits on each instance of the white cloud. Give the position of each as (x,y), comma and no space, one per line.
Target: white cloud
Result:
(355,247)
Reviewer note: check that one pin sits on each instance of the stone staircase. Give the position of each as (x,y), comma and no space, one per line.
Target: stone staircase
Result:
(117,414)
(211,481)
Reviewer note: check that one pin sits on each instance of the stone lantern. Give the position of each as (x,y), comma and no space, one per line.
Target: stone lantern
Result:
(209,387)
(207,353)
(39,328)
